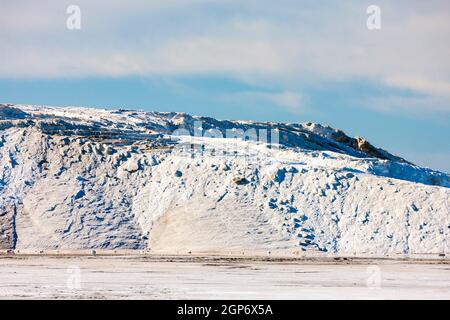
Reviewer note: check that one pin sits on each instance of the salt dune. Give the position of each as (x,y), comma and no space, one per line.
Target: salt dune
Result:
(91,179)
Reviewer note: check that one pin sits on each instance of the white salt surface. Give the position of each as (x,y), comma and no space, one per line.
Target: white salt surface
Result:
(43,277)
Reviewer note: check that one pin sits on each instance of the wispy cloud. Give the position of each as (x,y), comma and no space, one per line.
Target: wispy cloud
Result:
(432,87)
(291,101)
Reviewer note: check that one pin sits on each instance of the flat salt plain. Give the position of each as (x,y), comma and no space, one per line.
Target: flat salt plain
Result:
(147,277)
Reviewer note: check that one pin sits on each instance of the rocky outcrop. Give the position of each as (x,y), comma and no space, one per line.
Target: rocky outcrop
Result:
(7,226)
(129,126)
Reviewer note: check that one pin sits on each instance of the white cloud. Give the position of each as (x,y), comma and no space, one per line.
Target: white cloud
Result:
(288,100)
(215,55)
(420,84)
(410,104)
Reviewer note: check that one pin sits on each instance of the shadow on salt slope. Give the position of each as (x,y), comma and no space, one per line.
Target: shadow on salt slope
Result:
(404,171)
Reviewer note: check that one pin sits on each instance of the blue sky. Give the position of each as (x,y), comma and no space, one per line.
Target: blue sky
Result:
(294,61)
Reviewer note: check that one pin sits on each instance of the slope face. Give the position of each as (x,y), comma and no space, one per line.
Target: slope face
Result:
(77,178)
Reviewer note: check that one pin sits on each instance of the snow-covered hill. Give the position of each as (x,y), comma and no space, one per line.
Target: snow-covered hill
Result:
(80,178)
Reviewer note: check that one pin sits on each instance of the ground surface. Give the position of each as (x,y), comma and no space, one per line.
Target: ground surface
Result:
(38,277)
